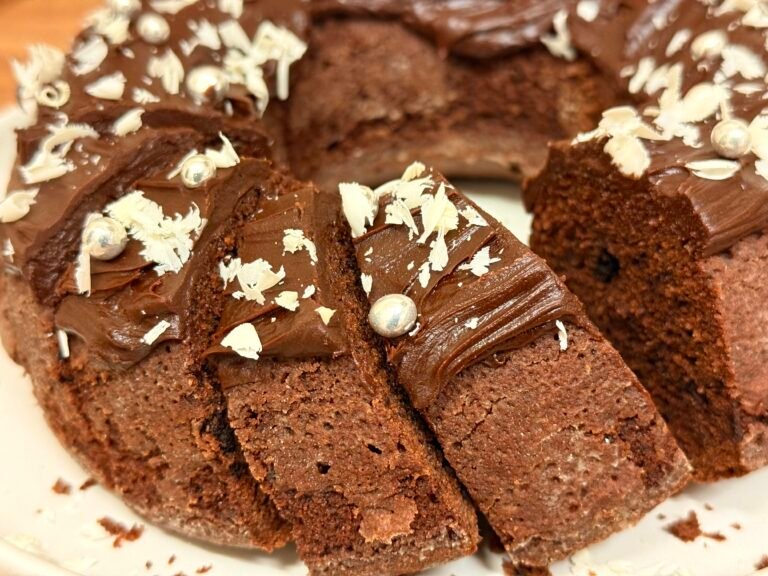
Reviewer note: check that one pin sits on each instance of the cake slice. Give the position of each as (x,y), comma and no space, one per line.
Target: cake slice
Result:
(657,218)
(549,431)
(671,266)
(321,425)
(114,351)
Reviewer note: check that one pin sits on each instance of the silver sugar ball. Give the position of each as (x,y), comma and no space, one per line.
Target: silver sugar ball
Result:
(207,84)
(393,315)
(731,138)
(105,238)
(196,170)
(153,28)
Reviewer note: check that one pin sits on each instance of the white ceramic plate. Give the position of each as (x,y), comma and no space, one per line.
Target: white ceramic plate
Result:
(45,534)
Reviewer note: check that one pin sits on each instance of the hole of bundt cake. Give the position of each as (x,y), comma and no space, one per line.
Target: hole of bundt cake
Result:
(323,468)
(375,449)
(607,267)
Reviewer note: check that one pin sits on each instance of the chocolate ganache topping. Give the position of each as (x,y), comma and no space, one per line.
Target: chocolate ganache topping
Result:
(477,289)
(128,298)
(108,128)
(278,281)
(479,29)
(113,70)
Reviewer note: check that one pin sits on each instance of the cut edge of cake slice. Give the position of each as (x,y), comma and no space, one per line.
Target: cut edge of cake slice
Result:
(669,265)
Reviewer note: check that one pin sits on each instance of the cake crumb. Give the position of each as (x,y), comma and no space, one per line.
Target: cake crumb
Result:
(148,565)
(62,488)
(172,559)
(511,569)
(121,532)
(204,569)
(709,507)
(763,564)
(662,516)
(687,529)
(736,526)
(90,483)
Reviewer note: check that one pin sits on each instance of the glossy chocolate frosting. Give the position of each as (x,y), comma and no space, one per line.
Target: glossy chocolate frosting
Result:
(127,158)
(129,298)
(514,303)
(285,333)
(474,28)
(727,210)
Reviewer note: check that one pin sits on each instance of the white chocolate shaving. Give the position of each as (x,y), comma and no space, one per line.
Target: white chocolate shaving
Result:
(295,240)
(288,300)
(89,55)
(171,6)
(128,123)
(109,87)
(714,169)
(325,314)
(244,341)
(17,204)
(50,162)
(168,69)
(360,205)
(156,332)
(559,43)
(168,241)
(481,262)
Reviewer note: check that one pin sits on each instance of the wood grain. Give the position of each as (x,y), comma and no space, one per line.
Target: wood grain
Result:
(24,22)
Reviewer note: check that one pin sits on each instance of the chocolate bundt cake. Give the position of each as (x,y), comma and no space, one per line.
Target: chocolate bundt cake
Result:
(195,320)
(503,356)
(657,219)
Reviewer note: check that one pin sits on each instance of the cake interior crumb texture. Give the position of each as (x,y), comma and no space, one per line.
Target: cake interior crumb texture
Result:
(690,327)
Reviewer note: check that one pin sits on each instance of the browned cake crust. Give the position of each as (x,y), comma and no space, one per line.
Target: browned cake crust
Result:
(691,326)
(389,97)
(329,438)
(155,434)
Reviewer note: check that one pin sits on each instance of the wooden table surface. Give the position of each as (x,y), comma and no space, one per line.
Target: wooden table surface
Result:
(24,22)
